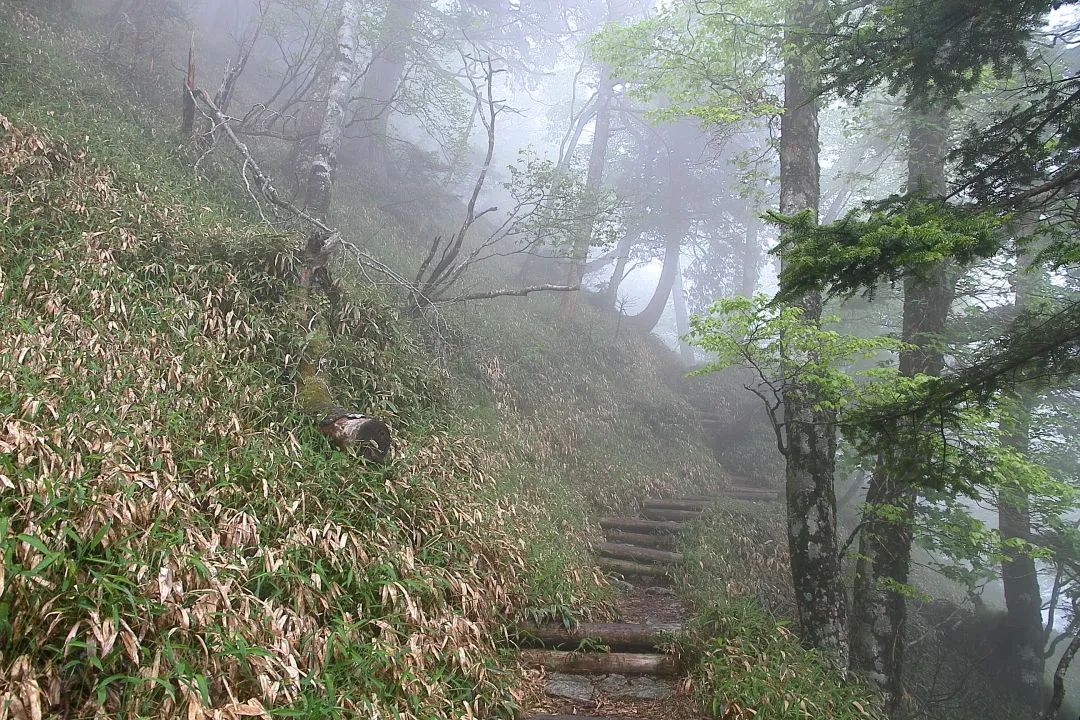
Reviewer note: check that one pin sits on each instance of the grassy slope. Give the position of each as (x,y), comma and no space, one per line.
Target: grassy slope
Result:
(176,538)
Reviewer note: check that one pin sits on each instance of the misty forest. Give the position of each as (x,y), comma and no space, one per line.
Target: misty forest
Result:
(541,359)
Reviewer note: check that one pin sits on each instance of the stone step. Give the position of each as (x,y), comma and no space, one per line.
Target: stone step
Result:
(662,542)
(640,526)
(637,554)
(671,515)
(616,663)
(629,567)
(621,636)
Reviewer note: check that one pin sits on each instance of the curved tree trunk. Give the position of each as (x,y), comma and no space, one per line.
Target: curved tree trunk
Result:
(646,320)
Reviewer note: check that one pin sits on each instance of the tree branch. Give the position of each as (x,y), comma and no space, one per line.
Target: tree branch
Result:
(520,292)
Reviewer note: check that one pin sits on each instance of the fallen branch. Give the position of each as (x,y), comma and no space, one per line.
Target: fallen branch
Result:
(520,292)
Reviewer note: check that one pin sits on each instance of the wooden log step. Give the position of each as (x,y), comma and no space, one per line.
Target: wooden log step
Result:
(622,636)
(676,515)
(677,504)
(545,716)
(627,567)
(601,663)
(640,526)
(751,490)
(753,494)
(640,554)
(664,542)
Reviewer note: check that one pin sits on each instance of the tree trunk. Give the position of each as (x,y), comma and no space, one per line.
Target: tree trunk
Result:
(679,503)
(624,636)
(640,526)
(381,83)
(593,180)
(663,542)
(682,316)
(342,75)
(638,554)
(1024,636)
(751,258)
(810,433)
(629,567)
(626,243)
(647,319)
(880,604)
(1059,679)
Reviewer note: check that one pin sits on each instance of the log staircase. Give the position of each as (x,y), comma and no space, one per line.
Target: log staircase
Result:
(642,550)
(592,661)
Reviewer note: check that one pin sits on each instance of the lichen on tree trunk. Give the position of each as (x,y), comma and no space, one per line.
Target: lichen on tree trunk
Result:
(810,431)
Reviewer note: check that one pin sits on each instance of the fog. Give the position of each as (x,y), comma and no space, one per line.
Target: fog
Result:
(625,154)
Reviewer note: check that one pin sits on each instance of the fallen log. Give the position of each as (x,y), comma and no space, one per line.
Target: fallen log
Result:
(622,636)
(545,716)
(640,554)
(753,494)
(677,515)
(664,542)
(752,490)
(345,429)
(642,526)
(677,504)
(601,663)
(627,567)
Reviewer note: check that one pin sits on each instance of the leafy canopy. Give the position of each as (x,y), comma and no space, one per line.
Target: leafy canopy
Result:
(930,50)
(783,351)
(707,60)
(888,240)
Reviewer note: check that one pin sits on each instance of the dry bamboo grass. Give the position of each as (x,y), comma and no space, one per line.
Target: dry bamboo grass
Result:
(174,544)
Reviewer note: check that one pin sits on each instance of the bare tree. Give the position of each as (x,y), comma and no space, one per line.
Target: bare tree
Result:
(538,215)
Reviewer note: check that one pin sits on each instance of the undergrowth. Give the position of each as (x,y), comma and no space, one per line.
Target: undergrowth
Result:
(176,539)
(752,666)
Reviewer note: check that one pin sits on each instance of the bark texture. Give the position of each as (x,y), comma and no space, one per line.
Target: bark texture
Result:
(880,604)
(810,433)
(342,75)
(606,663)
(615,635)
(1024,637)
